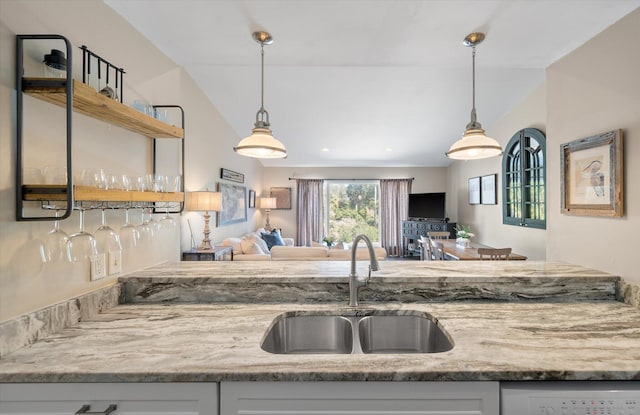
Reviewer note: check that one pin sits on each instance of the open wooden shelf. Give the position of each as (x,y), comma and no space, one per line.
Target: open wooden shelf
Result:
(53,192)
(90,102)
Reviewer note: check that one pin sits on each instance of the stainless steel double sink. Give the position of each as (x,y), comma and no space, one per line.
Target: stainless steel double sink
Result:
(356,332)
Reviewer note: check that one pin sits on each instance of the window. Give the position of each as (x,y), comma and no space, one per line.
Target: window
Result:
(523,180)
(353,207)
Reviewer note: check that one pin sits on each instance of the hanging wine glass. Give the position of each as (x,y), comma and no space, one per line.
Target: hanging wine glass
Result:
(55,242)
(155,224)
(107,239)
(81,245)
(129,235)
(145,230)
(167,222)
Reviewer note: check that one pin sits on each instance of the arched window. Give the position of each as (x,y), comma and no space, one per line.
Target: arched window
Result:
(524,180)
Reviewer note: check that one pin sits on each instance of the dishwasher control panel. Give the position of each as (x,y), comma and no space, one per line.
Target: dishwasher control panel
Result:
(584,406)
(570,398)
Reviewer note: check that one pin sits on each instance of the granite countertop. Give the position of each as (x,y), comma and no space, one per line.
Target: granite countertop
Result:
(221,342)
(185,322)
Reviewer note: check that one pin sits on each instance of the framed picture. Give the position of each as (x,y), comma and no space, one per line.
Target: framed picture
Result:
(474,191)
(283,197)
(232,176)
(488,189)
(234,205)
(592,176)
(252,199)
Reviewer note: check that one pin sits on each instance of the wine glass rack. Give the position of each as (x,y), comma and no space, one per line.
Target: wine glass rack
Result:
(74,95)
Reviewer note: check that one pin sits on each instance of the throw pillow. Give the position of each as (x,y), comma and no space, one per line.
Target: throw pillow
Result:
(261,243)
(249,247)
(272,239)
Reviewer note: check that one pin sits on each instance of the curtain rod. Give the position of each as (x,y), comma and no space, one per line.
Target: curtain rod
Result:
(296,178)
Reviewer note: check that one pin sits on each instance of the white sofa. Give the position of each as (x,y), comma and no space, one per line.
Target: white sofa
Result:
(251,247)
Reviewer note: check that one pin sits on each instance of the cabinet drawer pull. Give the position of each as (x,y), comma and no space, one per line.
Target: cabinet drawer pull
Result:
(85,410)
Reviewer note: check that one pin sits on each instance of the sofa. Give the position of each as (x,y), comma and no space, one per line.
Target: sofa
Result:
(253,247)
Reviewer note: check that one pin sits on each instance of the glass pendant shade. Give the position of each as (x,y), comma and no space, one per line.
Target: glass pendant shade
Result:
(261,144)
(474,143)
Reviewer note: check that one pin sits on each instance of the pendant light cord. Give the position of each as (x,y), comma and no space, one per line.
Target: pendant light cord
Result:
(473,124)
(262,78)
(262,117)
(473,76)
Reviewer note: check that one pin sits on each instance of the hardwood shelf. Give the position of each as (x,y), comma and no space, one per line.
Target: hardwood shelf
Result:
(90,102)
(52,192)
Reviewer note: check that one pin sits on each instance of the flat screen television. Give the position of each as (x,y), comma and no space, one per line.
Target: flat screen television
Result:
(427,206)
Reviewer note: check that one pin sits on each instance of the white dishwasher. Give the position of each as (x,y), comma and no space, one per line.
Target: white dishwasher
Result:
(570,398)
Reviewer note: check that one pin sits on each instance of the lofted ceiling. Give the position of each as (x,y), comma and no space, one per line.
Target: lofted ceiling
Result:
(368,82)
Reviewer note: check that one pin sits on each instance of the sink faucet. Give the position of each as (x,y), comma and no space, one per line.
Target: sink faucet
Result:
(356,283)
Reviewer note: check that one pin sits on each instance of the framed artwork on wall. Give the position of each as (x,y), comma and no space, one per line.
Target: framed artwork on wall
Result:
(252,199)
(283,197)
(592,176)
(488,190)
(234,204)
(232,176)
(474,191)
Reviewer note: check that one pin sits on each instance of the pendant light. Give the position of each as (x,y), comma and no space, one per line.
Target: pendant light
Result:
(474,144)
(261,143)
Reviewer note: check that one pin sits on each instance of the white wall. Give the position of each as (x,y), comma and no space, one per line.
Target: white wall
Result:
(596,89)
(26,283)
(426,179)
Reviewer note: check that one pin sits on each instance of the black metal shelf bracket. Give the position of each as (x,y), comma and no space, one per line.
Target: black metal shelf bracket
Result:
(68,83)
(154,152)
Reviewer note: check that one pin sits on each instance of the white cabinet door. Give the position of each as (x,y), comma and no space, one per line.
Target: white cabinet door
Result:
(130,398)
(350,398)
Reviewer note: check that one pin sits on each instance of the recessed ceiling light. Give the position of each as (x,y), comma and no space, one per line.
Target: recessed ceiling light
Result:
(388,149)
(324,150)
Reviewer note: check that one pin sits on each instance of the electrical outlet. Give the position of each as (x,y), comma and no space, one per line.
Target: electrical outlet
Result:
(98,267)
(115,262)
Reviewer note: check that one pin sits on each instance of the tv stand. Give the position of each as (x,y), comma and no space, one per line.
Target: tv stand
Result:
(413,229)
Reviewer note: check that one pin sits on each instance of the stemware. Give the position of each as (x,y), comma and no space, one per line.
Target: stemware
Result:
(94,178)
(145,230)
(129,235)
(55,242)
(167,222)
(81,245)
(107,239)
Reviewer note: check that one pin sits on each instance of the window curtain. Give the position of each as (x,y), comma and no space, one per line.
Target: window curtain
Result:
(309,212)
(394,208)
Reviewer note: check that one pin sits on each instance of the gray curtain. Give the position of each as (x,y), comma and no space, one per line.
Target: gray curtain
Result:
(394,208)
(309,212)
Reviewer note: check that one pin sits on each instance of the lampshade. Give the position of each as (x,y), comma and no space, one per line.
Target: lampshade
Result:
(474,144)
(261,143)
(204,201)
(267,203)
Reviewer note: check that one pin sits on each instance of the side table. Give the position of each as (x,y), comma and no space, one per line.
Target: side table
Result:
(218,253)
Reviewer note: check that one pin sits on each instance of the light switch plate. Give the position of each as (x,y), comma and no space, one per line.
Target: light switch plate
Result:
(98,267)
(115,262)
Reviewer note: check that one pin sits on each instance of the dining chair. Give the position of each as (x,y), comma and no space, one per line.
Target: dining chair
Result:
(494,254)
(428,253)
(438,235)
(437,250)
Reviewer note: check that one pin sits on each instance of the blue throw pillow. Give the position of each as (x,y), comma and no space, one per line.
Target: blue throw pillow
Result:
(272,239)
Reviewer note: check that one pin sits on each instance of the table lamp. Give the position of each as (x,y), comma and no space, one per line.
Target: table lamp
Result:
(267,203)
(205,201)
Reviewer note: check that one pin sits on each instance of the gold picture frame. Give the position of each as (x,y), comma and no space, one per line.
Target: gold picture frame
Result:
(592,176)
